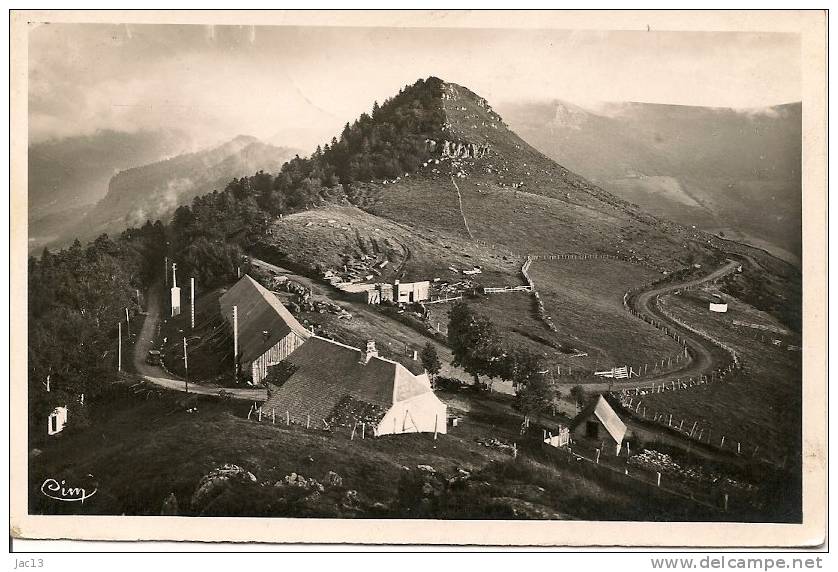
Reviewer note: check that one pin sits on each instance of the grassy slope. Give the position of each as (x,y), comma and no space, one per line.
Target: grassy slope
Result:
(554,211)
(763,407)
(415,254)
(584,299)
(735,169)
(141,451)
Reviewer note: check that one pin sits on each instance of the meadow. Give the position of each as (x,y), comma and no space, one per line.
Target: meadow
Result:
(584,298)
(760,406)
(140,452)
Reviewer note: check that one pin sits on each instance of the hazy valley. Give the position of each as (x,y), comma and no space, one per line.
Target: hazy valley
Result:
(735,172)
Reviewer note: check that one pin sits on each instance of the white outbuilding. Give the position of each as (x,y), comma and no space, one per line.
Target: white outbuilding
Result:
(56,420)
(718,305)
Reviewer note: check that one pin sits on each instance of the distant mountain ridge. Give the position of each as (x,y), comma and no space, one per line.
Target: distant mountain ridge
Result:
(74,171)
(155,190)
(68,176)
(724,170)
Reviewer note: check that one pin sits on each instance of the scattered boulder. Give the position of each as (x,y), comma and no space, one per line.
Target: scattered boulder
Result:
(333,479)
(350,499)
(217,480)
(461,476)
(295,480)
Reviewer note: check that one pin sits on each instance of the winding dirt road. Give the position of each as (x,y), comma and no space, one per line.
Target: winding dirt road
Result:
(704,354)
(157,375)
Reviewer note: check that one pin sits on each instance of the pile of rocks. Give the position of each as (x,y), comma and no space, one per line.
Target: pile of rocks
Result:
(652,460)
(214,482)
(494,443)
(300,481)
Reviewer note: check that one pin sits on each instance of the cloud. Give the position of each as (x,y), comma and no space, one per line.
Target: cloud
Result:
(215,82)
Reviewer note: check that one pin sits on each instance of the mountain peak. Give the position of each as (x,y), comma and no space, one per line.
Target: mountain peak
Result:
(245,139)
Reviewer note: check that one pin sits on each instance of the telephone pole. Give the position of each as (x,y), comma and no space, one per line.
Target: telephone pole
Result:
(192,300)
(185,366)
(119,352)
(236,344)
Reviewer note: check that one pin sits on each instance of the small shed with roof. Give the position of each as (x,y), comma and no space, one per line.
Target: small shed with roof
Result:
(328,383)
(599,421)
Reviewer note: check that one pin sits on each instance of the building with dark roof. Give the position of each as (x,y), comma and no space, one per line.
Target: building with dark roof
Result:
(267,332)
(327,383)
(599,422)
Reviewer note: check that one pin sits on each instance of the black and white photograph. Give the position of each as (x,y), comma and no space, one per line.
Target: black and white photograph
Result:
(418,268)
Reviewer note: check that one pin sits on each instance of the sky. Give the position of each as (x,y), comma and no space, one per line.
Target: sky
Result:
(297,86)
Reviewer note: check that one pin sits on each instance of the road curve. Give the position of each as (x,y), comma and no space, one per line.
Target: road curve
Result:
(157,375)
(703,352)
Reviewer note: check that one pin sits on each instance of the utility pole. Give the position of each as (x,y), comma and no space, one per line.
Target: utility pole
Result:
(185,365)
(236,344)
(192,299)
(119,352)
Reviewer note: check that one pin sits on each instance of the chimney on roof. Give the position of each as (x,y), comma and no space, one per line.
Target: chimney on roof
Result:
(370,352)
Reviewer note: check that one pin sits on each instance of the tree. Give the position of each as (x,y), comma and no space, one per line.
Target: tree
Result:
(430,360)
(536,396)
(475,343)
(577,392)
(534,392)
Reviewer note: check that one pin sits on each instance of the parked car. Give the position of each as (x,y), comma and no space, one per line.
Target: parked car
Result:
(153,357)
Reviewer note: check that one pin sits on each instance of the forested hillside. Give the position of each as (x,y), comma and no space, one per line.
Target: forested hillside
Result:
(77,296)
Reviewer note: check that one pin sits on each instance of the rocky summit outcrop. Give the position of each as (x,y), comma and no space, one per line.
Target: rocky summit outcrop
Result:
(457,149)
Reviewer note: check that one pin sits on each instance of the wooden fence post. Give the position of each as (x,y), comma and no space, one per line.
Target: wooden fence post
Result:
(273,415)
(659,479)
(287,418)
(597,456)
